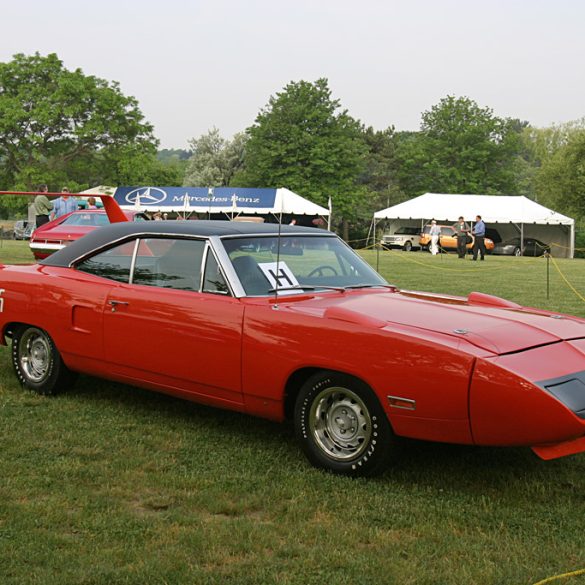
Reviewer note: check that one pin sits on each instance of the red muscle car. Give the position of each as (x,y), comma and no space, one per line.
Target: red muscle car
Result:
(70,227)
(289,323)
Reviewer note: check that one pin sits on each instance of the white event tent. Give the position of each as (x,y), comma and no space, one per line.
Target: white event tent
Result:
(511,215)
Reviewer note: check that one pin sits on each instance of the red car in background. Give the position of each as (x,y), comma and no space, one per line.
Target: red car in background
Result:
(66,229)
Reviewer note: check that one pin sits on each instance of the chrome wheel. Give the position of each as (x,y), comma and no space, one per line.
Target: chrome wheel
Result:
(340,424)
(35,356)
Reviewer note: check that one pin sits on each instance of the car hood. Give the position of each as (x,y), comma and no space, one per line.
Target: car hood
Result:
(478,320)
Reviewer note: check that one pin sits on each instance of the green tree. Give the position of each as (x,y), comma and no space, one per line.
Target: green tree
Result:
(380,174)
(171,155)
(131,166)
(461,148)
(215,160)
(59,126)
(560,182)
(539,145)
(304,141)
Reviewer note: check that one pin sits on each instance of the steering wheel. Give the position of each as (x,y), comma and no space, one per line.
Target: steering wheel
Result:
(320,270)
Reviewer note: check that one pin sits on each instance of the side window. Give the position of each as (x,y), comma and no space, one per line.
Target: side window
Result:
(213,280)
(447,231)
(169,263)
(113,263)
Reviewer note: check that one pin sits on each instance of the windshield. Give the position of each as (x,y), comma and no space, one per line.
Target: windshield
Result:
(87,219)
(407,231)
(304,262)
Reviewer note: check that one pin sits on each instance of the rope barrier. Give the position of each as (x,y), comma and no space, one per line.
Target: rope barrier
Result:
(436,267)
(563,576)
(567,248)
(535,260)
(554,262)
(406,257)
(360,240)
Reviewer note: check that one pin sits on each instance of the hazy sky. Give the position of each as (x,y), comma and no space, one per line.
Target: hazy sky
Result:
(197,64)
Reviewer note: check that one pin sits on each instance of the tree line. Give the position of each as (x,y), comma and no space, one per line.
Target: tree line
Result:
(64,127)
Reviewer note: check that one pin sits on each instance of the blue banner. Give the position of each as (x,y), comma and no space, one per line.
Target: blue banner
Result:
(196,197)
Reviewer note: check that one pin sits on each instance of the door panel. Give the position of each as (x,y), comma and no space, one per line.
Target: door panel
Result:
(176,339)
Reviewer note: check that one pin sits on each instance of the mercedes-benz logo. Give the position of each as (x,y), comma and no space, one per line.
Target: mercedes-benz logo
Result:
(146,196)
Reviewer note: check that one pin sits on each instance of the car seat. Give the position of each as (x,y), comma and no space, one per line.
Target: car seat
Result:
(250,275)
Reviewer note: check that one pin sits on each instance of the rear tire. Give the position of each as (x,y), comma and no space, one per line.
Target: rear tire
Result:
(342,427)
(517,252)
(37,361)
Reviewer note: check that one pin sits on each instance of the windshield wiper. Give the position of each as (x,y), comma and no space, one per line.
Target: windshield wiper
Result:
(370,286)
(303,287)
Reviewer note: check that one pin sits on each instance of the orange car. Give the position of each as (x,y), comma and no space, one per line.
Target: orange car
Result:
(448,239)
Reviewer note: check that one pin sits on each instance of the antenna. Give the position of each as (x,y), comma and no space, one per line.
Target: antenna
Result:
(234,205)
(278,248)
(186,203)
(209,196)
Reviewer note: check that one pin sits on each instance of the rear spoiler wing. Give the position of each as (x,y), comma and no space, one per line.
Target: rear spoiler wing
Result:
(114,211)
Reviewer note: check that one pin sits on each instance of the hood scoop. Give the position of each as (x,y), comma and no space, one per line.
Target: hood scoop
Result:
(481,299)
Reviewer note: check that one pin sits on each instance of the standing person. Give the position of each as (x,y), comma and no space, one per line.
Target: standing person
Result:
(435,233)
(462,230)
(42,206)
(479,243)
(65,204)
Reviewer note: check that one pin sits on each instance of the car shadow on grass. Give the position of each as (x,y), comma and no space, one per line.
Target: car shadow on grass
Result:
(437,465)
(470,469)
(147,407)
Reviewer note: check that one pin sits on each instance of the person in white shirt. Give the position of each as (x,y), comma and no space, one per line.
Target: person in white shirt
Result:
(435,233)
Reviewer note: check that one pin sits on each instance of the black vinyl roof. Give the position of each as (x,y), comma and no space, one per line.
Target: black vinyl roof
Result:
(102,236)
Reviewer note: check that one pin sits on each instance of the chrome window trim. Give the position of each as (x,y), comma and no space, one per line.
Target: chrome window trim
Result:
(225,265)
(133,261)
(210,250)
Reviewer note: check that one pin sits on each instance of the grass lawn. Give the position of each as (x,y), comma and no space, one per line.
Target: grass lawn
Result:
(108,484)
(15,251)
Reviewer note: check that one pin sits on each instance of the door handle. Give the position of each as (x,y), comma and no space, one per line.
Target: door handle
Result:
(116,304)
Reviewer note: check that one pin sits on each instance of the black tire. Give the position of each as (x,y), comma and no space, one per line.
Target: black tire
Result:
(342,427)
(37,361)
(408,246)
(517,252)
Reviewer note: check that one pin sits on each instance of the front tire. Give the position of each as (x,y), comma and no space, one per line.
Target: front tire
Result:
(37,361)
(342,427)
(408,246)
(517,252)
